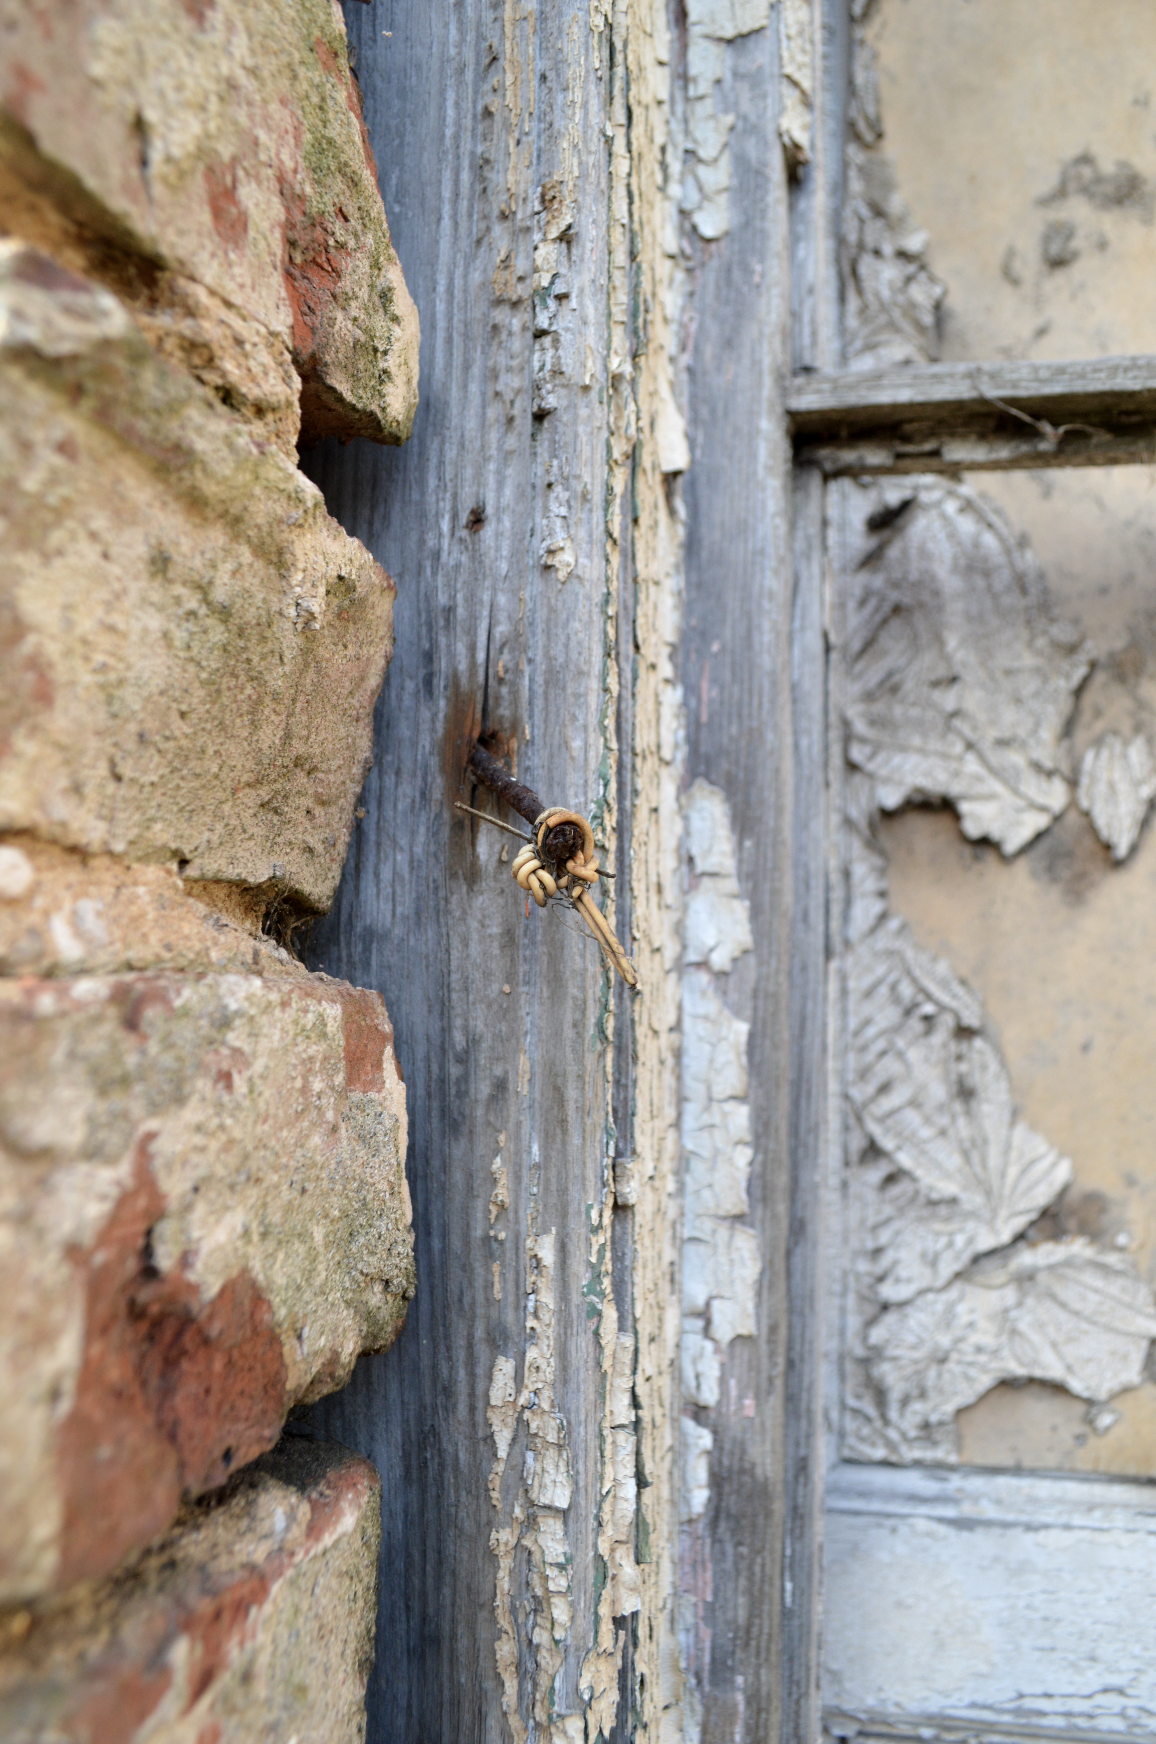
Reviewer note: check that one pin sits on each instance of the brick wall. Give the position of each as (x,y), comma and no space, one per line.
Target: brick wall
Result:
(203,1210)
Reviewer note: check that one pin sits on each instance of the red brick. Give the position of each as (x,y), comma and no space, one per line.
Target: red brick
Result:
(252,1619)
(206,1221)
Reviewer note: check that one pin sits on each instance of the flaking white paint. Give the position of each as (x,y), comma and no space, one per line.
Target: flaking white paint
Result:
(961,683)
(796,68)
(720,1254)
(962,677)
(1117,786)
(710,25)
(534,1520)
(718,927)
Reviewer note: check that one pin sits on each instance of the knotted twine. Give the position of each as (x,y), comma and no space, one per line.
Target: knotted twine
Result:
(573,881)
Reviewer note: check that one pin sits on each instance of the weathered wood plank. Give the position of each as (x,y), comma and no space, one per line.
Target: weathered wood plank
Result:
(736,666)
(807,1031)
(489,123)
(861,398)
(817,221)
(946,416)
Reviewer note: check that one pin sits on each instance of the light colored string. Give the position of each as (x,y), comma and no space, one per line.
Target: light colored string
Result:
(580,874)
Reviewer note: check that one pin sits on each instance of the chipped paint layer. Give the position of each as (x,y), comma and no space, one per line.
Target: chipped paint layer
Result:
(561,1631)
(962,677)
(796,66)
(534,1521)
(720,1252)
(661,453)
(710,25)
(1064,1312)
(621,1594)
(891,299)
(961,683)
(1117,786)
(718,926)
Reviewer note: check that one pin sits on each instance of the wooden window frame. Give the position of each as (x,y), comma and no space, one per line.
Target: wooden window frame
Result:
(915,418)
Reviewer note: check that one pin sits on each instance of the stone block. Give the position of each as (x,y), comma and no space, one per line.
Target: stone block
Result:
(222,141)
(250,1622)
(190,647)
(204,1220)
(67,913)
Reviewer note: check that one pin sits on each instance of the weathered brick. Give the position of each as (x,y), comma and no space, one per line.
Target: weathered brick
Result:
(222,141)
(190,647)
(203,1220)
(250,1622)
(68,913)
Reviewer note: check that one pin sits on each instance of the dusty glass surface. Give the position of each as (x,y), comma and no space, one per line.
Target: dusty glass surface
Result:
(1008,178)
(1059,942)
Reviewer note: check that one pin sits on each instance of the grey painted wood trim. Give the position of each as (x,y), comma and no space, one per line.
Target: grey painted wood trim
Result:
(737,677)
(970,1497)
(815,403)
(933,1729)
(807,1032)
(817,316)
(994,1582)
(946,416)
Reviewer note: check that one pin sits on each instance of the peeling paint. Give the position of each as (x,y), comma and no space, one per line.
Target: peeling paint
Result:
(535,1522)
(557,548)
(710,25)
(718,927)
(670,436)
(796,83)
(720,1253)
(500,1197)
(961,683)
(536,1485)
(661,453)
(1064,1312)
(502,1417)
(697,1442)
(962,675)
(1117,786)
(891,299)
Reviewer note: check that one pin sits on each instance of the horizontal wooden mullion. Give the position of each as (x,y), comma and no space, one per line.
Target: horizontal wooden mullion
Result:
(946,417)
(974,452)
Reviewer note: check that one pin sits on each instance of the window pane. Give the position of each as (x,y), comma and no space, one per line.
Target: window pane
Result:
(1002,1148)
(1001,180)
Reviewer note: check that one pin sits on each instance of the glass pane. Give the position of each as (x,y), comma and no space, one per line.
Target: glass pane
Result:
(1001,644)
(1001,180)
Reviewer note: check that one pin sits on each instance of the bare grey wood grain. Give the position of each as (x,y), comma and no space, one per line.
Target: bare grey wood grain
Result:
(996,450)
(816,217)
(736,666)
(472,109)
(997,415)
(816,402)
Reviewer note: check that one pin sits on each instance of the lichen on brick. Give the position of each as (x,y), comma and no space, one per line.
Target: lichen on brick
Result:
(202,1223)
(224,144)
(192,646)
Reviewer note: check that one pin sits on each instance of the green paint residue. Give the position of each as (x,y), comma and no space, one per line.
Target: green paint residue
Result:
(642,1538)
